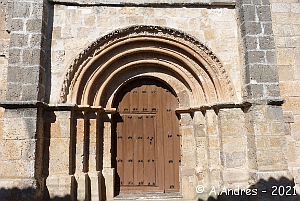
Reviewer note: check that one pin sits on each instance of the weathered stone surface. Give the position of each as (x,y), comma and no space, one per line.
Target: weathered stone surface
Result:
(255,42)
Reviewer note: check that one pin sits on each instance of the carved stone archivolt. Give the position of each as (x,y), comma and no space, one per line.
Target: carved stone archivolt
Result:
(177,58)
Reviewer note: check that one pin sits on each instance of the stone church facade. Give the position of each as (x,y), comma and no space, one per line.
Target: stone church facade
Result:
(104,98)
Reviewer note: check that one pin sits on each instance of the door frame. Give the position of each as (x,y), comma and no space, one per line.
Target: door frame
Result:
(159,142)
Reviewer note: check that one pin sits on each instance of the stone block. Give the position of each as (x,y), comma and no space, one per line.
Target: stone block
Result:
(198,117)
(234,159)
(286,73)
(269,160)
(251,28)
(34,25)
(35,40)
(25,129)
(21,9)
(214,157)
(251,42)
(187,186)
(13,91)
(109,175)
(234,144)
(271,57)
(248,12)
(39,10)
(253,57)
(61,127)
(277,128)
(187,131)
(295,7)
(215,176)
(262,73)
(266,42)
(261,128)
(59,156)
(200,130)
(201,142)
(31,57)
(17,25)
(292,104)
(12,150)
(232,175)
(267,28)
(29,92)
(280,7)
(213,142)
(18,40)
(59,186)
(14,56)
(15,74)
(255,90)
(264,13)
(29,75)
(275,113)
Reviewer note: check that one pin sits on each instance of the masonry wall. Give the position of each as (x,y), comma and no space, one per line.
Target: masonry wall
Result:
(75,27)
(35,52)
(286,27)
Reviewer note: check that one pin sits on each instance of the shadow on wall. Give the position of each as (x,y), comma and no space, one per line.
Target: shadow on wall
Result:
(264,190)
(27,194)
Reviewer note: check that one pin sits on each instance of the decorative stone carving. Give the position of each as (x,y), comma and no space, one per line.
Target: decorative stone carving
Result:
(202,57)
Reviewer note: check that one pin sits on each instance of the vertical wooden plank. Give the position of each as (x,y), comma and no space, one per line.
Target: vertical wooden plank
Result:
(160,157)
(160,152)
(120,149)
(143,98)
(124,105)
(149,151)
(138,150)
(128,151)
(134,100)
(168,137)
(176,138)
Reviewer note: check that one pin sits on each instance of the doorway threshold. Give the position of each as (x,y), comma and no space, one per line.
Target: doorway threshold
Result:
(149,196)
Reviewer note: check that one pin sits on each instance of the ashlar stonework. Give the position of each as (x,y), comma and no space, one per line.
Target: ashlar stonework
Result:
(114,100)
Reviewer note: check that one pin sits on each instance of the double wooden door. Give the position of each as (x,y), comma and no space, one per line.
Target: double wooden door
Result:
(147,139)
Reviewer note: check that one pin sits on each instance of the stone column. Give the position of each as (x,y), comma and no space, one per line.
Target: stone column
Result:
(21,167)
(108,172)
(214,149)
(202,168)
(57,151)
(233,138)
(188,179)
(20,171)
(266,138)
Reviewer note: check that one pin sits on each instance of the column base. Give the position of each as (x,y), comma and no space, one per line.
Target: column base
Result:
(109,183)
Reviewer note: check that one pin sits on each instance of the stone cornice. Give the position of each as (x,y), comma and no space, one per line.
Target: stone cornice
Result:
(147,3)
(215,106)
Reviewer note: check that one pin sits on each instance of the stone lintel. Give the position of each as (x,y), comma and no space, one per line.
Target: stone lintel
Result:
(70,106)
(274,102)
(215,106)
(151,3)
(52,107)
(23,104)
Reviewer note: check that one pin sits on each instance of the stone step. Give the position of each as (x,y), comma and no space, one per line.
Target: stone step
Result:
(150,197)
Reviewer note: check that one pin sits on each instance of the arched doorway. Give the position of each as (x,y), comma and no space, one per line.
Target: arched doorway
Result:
(102,72)
(146,136)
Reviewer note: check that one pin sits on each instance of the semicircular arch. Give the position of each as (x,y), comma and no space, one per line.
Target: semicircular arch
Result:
(154,51)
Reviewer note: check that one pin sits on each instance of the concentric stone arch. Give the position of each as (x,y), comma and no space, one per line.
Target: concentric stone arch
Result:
(179,59)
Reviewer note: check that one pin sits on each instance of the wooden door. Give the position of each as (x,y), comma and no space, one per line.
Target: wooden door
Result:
(147,139)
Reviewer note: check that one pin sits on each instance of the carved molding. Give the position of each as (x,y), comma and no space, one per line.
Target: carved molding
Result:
(94,49)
